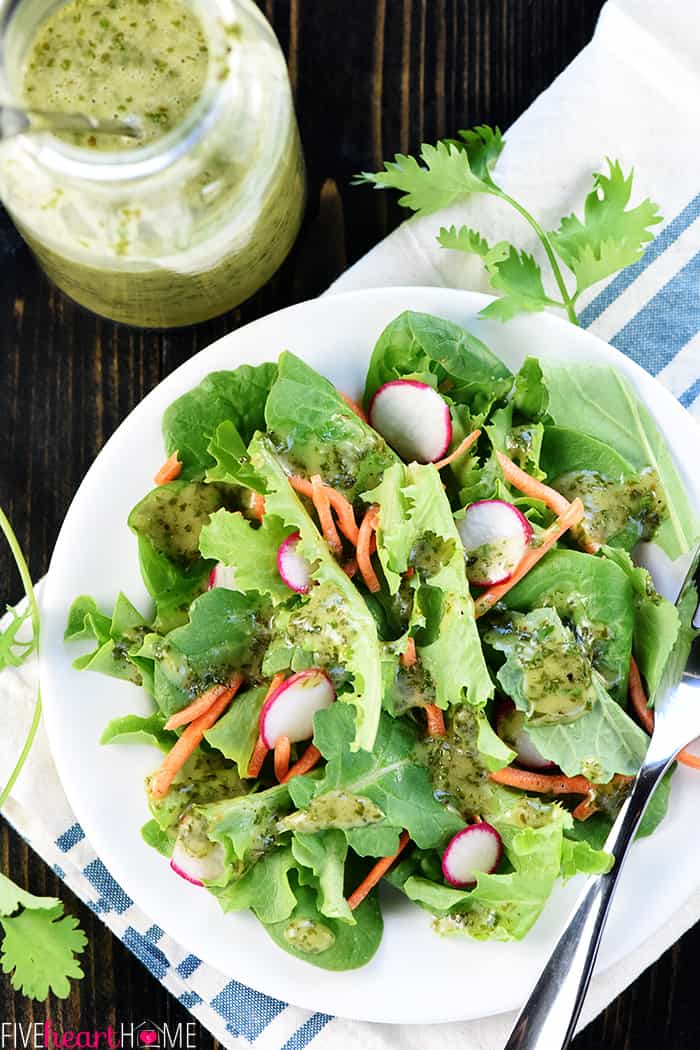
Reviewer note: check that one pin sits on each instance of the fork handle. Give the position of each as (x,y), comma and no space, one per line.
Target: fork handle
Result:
(548,1019)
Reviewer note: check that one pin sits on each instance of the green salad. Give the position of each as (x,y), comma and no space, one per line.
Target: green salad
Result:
(393,641)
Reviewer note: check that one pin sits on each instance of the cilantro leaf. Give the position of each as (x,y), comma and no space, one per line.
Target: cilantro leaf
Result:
(463,239)
(39,951)
(13,897)
(444,176)
(610,236)
(483,145)
(13,651)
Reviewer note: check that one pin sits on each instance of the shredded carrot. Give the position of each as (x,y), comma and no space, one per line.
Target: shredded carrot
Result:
(646,716)
(304,764)
(257,507)
(542,783)
(436,720)
(283,750)
(531,556)
(186,746)
(171,469)
(375,874)
(531,487)
(364,550)
(350,567)
(409,573)
(301,485)
(203,703)
(585,809)
(257,758)
(353,406)
(408,656)
(260,750)
(325,517)
(463,447)
(346,515)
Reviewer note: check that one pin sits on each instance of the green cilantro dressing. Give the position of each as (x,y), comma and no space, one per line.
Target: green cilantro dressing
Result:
(117,58)
(635,507)
(483,561)
(455,767)
(309,936)
(334,809)
(172,517)
(206,777)
(430,553)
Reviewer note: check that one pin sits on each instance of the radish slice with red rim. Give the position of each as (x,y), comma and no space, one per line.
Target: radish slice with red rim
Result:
(222,576)
(290,710)
(294,570)
(495,536)
(198,870)
(413,418)
(475,850)
(510,726)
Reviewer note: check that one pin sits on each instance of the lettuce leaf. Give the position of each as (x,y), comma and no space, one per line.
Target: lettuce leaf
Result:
(324,853)
(598,401)
(251,552)
(417,343)
(332,626)
(118,638)
(236,732)
(309,421)
(191,422)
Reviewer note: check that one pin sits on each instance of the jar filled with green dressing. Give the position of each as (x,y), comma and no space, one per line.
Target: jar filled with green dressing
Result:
(196,215)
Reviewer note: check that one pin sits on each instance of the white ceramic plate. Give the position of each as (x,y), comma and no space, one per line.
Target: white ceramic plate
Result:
(96,554)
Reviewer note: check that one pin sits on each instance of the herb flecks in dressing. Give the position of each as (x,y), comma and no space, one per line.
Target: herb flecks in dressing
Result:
(613,507)
(456,769)
(334,809)
(117,58)
(309,936)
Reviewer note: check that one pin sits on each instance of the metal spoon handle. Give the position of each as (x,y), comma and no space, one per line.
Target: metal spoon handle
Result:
(14,120)
(548,1019)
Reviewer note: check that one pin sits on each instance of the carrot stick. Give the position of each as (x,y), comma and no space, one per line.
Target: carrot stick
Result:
(531,487)
(585,809)
(186,746)
(408,656)
(375,874)
(170,470)
(346,515)
(283,749)
(532,555)
(257,758)
(257,507)
(463,447)
(350,567)
(353,406)
(646,715)
(364,550)
(304,764)
(323,509)
(436,720)
(542,783)
(301,485)
(260,750)
(203,703)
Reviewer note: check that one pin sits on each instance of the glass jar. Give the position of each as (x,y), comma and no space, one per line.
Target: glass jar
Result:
(182,228)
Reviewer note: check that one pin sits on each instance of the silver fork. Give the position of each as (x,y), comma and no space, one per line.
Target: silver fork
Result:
(548,1019)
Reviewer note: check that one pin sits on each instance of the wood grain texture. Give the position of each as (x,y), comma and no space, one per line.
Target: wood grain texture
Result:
(371,77)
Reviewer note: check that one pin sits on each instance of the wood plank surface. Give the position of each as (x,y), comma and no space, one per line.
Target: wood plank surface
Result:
(371,77)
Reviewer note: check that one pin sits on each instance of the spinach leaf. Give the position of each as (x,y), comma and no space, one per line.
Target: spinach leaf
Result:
(190,423)
(316,431)
(140,730)
(598,401)
(171,517)
(227,632)
(324,853)
(233,465)
(594,597)
(173,587)
(565,450)
(264,888)
(656,621)
(389,776)
(419,343)
(331,627)
(352,947)
(530,394)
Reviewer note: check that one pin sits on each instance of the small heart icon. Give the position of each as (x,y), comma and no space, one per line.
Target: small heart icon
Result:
(149,1037)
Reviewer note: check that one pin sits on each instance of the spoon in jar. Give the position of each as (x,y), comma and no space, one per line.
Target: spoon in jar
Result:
(15,120)
(548,1019)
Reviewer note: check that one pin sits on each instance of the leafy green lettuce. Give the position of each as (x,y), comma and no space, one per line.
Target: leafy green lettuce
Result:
(118,638)
(250,551)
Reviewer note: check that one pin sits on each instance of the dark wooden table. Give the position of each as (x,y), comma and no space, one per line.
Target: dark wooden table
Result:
(371,77)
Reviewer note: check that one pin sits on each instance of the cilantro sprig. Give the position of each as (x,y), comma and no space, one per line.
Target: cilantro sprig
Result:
(609,237)
(40,943)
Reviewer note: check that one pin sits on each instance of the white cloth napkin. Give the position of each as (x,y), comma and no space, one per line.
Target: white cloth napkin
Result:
(632,94)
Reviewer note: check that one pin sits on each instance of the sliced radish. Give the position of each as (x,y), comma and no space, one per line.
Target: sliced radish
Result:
(413,418)
(294,570)
(475,850)
(198,870)
(495,536)
(510,726)
(290,710)
(223,576)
